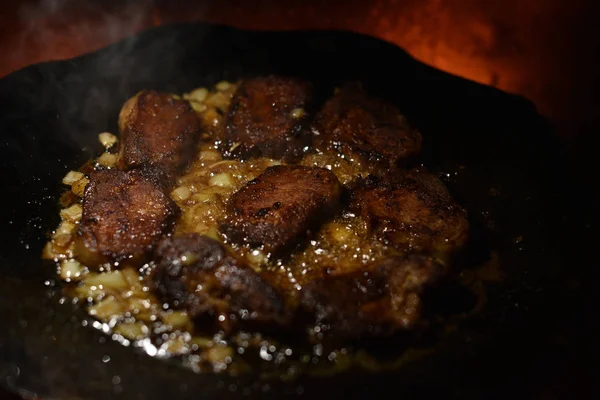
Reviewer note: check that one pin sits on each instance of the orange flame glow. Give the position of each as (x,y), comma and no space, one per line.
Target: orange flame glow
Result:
(520,47)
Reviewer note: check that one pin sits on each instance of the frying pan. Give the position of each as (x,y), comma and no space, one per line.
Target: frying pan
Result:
(499,158)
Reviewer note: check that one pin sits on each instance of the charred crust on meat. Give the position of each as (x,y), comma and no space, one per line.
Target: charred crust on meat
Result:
(261,120)
(124,215)
(281,207)
(195,273)
(413,211)
(157,130)
(353,122)
(378,300)
(126,212)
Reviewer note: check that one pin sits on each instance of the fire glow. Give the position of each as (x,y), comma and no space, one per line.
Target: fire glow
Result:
(520,47)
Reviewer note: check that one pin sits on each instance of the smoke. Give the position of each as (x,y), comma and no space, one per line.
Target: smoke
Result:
(44,8)
(59,29)
(81,97)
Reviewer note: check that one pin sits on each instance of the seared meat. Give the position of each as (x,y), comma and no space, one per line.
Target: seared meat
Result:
(281,206)
(124,215)
(377,301)
(355,124)
(412,211)
(266,118)
(193,272)
(157,130)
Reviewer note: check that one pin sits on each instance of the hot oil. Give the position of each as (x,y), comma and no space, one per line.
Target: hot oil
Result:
(121,304)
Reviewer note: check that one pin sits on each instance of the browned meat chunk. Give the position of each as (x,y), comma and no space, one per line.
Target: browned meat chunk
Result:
(193,272)
(281,206)
(355,124)
(124,215)
(412,211)
(157,130)
(377,301)
(266,118)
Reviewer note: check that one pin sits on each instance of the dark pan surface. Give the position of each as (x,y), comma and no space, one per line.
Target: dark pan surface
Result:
(514,176)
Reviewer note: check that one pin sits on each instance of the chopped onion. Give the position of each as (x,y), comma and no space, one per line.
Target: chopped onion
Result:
(63,240)
(222,180)
(234,146)
(79,187)
(210,155)
(177,319)
(340,233)
(71,177)
(202,342)
(72,214)
(135,331)
(223,86)
(297,113)
(198,107)
(219,354)
(107,139)
(107,309)
(64,228)
(256,258)
(182,193)
(132,277)
(71,269)
(198,95)
(108,280)
(203,197)
(107,160)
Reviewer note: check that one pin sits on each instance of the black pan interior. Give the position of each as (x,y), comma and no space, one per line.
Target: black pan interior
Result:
(502,162)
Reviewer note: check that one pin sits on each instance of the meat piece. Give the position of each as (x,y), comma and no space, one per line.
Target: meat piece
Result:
(355,124)
(157,130)
(193,272)
(377,301)
(266,118)
(281,206)
(413,211)
(124,215)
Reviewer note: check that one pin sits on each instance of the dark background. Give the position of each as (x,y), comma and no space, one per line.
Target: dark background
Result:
(544,50)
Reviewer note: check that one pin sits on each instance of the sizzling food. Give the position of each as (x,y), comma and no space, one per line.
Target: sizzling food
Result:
(228,217)
(281,206)
(124,216)
(267,118)
(157,131)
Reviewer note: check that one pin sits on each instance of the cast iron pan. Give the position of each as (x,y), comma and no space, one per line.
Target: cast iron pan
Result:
(503,163)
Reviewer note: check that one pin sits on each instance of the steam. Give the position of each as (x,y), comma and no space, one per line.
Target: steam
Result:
(75,25)
(86,95)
